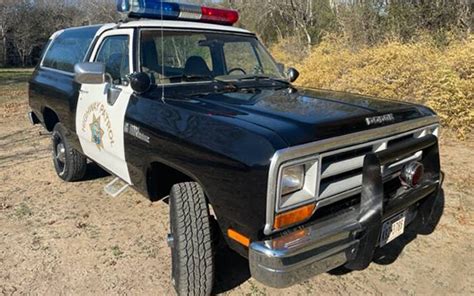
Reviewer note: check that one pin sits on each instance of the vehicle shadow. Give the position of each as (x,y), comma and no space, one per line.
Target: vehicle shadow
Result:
(94,172)
(390,253)
(232,270)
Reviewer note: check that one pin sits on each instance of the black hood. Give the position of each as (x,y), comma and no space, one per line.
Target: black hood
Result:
(306,115)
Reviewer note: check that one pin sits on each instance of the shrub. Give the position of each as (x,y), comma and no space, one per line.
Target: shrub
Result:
(441,78)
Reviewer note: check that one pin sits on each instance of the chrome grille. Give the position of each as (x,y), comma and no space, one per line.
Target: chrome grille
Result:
(341,170)
(342,166)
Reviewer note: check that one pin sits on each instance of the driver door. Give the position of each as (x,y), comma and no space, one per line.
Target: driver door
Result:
(101,108)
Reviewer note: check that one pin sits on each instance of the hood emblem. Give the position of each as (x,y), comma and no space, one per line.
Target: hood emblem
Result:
(380,119)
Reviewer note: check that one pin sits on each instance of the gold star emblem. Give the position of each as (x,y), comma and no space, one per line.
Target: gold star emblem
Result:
(97,133)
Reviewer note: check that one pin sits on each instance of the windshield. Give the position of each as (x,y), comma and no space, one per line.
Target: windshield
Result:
(177,57)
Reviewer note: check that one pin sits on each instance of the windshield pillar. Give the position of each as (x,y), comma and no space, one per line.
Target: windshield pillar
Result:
(218,59)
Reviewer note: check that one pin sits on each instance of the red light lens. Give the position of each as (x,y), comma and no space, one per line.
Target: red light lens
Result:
(221,16)
(417,175)
(412,174)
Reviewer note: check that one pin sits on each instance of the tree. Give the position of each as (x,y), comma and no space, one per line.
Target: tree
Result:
(5,17)
(24,29)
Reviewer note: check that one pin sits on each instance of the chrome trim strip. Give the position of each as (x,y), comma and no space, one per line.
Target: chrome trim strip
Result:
(52,38)
(335,198)
(57,71)
(292,153)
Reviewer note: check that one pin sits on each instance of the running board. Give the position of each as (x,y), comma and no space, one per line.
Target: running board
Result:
(116,187)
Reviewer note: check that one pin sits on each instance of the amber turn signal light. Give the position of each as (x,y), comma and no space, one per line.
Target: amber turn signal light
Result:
(294,216)
(240,238)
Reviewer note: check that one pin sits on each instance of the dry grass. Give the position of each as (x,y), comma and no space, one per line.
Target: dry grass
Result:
(441,78)
(13,86)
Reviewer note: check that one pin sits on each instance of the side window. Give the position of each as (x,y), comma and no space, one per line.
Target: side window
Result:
(68,49)
(241,55)
(114,53)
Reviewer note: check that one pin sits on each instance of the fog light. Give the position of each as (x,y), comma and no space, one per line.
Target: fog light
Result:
(412,174)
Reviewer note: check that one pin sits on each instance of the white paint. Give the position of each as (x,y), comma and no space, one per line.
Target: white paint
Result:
(56,34)
(93,103)
(175,25)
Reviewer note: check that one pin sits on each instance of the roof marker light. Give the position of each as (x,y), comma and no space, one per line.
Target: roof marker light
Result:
(157,9)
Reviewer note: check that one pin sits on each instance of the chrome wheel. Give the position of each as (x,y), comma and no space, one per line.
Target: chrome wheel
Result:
(70,165)
(59,153)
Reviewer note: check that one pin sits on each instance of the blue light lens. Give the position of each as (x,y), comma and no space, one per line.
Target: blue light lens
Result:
(149,9)
(123,5)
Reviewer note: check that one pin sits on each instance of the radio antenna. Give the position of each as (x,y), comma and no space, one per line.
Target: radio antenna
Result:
(162,56)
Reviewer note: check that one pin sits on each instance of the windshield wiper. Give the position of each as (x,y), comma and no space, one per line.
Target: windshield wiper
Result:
(258,77)
(191,77)
(253,76)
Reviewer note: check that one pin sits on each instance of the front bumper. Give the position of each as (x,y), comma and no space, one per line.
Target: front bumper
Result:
(350,236)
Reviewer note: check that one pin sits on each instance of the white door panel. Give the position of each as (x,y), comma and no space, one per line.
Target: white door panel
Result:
(99,125)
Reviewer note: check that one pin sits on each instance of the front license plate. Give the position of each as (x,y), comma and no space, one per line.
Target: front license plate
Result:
(392,228)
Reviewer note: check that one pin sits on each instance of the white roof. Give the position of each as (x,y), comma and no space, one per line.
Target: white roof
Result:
(176,25)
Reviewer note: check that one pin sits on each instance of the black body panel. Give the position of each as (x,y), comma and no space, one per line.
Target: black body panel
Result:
(307,115)
(58,92)
(228,157)
(225,141)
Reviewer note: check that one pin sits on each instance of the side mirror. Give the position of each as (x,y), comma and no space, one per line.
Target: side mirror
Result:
(140,82)
(293,74)
(90,73)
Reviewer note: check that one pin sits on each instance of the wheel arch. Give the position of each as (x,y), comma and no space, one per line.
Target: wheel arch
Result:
(50,118)
(160,178)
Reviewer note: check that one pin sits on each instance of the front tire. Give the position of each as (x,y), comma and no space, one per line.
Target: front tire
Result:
(191,240)
(70,165)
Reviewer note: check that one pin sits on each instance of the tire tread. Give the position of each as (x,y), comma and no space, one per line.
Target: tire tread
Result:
(193,240)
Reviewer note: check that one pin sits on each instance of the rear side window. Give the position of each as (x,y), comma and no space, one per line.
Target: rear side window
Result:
(69,48)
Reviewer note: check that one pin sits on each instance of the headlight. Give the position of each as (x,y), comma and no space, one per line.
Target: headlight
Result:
(292,179)
(298,182)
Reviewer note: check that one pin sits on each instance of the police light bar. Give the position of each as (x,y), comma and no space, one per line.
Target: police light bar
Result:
(157,9)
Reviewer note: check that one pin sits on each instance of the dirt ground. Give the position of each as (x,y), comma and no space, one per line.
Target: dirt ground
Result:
(73,239)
